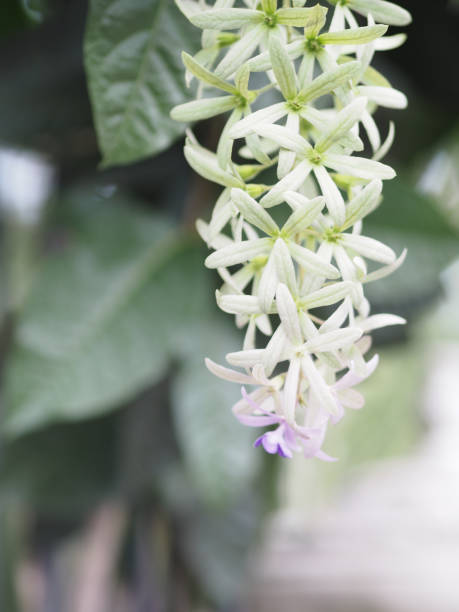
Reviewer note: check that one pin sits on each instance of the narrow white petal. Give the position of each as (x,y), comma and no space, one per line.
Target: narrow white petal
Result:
(382,11)
(267,286)
(264,325)
(238,304)
(220,218)
(363,203)
(262,61)
(283,68)
(329,81)
(342,123)
(239,252)
(291,182)
(285,137)
(274,350)
(386,43)
(254,149)
(380,320)
(305,212)
(233,18)
(250,333)
(245,359)
(337,23)
(306,70)
(358,166)
(357,36)
(253,212)
(327,295)
(312,262)
(228,374)
(372,130)
(285,270)
(344,263)
(199,71)
(319,387)
(336,320)
(384,96)
(267,115)
(204,108)
(225,143)
(308,329)
(288,314)
(218,242)
(333,197)
(386,145)
(369,247)
(334,340)
(386,270)
(207,166)
(286,157)
(299,17)
(237,282)
(291,389)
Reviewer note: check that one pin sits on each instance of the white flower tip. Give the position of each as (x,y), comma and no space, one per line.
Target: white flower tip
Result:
(203,229)
(360,103)
(283,292)
(396,320)
(235,192)
(212,367)
(373,363)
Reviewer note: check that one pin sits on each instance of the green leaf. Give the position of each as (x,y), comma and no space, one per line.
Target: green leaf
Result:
(63,470)
(104,317)
(135,75)
(218,450)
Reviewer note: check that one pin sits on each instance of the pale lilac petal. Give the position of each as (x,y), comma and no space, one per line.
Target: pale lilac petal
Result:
(324,457)
(257,421)
(352,378)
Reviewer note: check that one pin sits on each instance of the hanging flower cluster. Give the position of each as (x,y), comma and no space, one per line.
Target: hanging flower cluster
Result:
(311,111)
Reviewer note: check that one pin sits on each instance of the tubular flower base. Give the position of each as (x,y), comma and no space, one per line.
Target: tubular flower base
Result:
(314,111)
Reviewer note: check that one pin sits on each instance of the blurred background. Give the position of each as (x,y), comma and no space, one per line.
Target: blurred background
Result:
(125,483)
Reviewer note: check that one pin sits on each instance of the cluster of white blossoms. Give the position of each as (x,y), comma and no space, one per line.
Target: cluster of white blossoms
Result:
(311,111)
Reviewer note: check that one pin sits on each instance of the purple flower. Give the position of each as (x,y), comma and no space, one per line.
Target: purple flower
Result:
(278,441)
(285,439)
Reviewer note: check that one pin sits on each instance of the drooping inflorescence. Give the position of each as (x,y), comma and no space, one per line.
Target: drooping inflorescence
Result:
(311,110)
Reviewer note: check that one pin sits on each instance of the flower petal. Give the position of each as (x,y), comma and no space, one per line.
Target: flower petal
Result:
(292,181)
(358,166)
(238,252)
(288,314)
(369,247)
(253,212)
